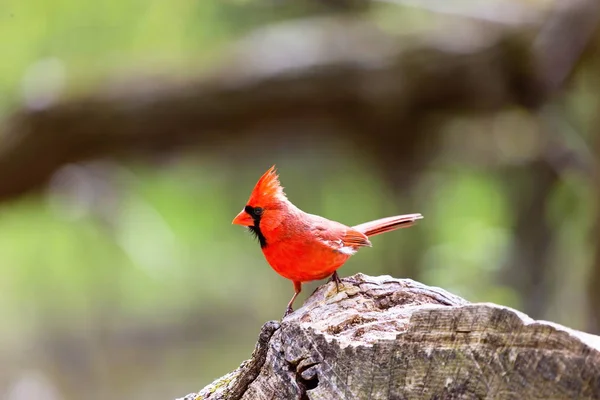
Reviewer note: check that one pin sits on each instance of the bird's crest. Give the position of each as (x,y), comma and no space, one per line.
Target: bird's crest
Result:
(267,189)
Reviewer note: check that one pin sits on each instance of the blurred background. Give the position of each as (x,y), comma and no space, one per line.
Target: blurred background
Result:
(131,134)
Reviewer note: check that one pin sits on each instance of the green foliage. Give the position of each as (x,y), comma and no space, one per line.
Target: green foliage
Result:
(92,41)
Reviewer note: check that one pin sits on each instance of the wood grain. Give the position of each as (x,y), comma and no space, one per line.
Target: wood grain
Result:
(386,338)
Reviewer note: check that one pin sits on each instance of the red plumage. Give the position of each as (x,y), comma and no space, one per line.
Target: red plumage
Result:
(304,247)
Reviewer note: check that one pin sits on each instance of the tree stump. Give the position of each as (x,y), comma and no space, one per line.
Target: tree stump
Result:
(386,338)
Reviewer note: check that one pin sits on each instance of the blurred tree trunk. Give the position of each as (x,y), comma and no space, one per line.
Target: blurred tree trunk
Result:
(402,156)
(593,289)
(528,269)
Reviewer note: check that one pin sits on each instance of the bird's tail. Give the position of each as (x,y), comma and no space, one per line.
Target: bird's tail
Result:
(387,224)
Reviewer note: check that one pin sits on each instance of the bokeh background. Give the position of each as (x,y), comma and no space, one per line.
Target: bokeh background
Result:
(133,132)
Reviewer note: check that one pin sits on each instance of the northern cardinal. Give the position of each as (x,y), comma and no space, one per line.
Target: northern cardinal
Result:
(304,247)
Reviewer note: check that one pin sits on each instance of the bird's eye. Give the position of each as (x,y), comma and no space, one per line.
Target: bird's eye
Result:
(258,211)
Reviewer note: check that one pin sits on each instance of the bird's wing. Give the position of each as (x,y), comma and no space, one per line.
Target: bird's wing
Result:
(355,238)
(339,236)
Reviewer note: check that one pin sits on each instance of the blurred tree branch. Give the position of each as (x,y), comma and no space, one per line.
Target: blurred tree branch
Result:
(381,80)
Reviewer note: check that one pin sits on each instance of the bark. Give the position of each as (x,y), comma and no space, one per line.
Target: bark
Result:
(386,338)
(322,82)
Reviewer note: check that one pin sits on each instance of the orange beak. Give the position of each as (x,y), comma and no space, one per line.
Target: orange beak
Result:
(244,219)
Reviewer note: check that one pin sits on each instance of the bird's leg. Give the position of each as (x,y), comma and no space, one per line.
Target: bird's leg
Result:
(297,290)
(335,278)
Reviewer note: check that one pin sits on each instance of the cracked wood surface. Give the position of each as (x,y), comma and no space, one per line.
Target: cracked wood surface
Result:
(386,338)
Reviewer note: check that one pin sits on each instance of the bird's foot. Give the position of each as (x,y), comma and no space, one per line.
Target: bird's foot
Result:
(288,311)
(335,278)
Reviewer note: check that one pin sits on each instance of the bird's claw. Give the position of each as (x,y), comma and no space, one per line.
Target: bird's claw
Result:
(335,278)
(288,311)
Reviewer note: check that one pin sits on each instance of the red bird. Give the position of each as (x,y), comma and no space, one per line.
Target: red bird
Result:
(304,247)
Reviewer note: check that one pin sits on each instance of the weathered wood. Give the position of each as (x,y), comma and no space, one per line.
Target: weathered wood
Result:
(386,338)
